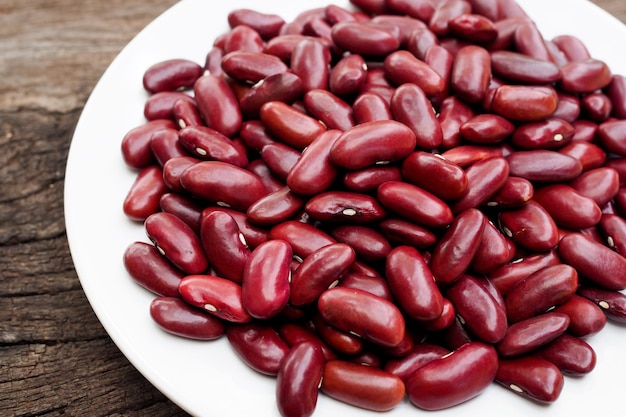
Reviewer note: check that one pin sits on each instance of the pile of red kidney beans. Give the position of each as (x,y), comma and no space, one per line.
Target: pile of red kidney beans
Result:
(400,199)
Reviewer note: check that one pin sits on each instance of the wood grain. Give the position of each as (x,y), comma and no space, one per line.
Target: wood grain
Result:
(55,357)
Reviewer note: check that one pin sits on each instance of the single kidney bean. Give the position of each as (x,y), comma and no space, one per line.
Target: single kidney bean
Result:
(422,10)
(283,45)
(531,377)
(136,150)
(265,287)
(173,170)
(419,40)
(183,207)
(506,27)
(523,68)
(319,271)
(484,179)
(259,346)
(341,342)
(594,261)
(514,193)
(410,106)
(275,207)
(161,105)
(290,125)
(241,38)
(568,107)
(148,268)
(404,232)
(223,183)
(280,159)
(584,130)
(530,226)
(251,67)
(453,253)
(473,27)
(412,283)
(611,136)
(218,296)
(255,135)
(369,245)
(466,155)
(420,355)
(186,113)
(298,380)
(567,207)
(586,318)
(528,40)
(453,113)
(572,47)
(572,355)
(616,90)
(548,134)
(285,87)
(372,143)
(209,144)
(599,184)
(530,334)
(329,109)
(471,73)
(613,229)
(402,67)
(486,129)
(310,61)
(171,75)
(590,155)
(585,76)
(454,378)
(142,199)
(533,164)
(373,284)
(265,24)
(253,235)
(414,203)
(444,321)
(336,14)
(213,61)
(446,11)
(477,309)
(369,107)
(177,242)
(596,106)
(295,333)
(218,105)
(345,206)
(435,174)
(509,275)
(365,38)
(224,245)
(303,238)
(177,317)
(522,103)
(441,60)
(364,314)
(368,179)
(612,303)
(542,290)
(493,251)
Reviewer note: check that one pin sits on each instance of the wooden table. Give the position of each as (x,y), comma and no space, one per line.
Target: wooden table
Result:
(55,357)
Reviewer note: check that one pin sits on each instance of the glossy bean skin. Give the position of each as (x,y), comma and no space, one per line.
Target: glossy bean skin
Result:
(454,378)
(448,180)
(267,25)
(265,285)
(135,146)
(142,199)
(484,179)
(354,208)
(420,40)
(478,310)
(572,355)
(161,105)
(372,284)
(611,136)
(486,128)
(290,125)
(241,38)
(585,76)
(471,73)
(251,67)
(369,179)
(303,238)
(310,61)
(466,155)
(372,143)
(410,106)
(599,184)
(407,233)
(523,104)
(552,133)
(515,192)
(253,234)
(412,284)
(298,379)
(532,378)
(613,229)
(223,183)
(454,252)
(591,156)
(347,76)
(285,87)
(185,208)
(259,346)
(612,303)
(280,159)
(541,291)
(363,314)
(185,113)
(179,318)
(420,355)
(370,107)
(171,75)
(473,27)
(402,67)
(209,144)
(567,207)
(319,271)
(523,68)
(255,135)
(446,11)
(493,251)
(223,244)
(594,261)
(331,110)
(616,91)
(586,318)
(532,166)
(147,267)
(414,203)
(165,145)
(597,106)
(365,38)
(453,113)
(368,244)
(218,105)
(275,207)
(530,334)
(509,275)
(177,242)
(173,170)
(218,296)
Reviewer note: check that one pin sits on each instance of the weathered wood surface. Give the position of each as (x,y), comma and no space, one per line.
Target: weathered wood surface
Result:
(55,357)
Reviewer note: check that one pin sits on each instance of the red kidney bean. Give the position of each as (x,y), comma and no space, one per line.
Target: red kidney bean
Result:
(370,107)
(336,14)
(371,6)
(613,229)
(218,105)
(313,172)
(275,207)
(590,155)
(265,288)
(420,9)
(414,203)
(486,129)
(522,103)
(514,193)
(285,87)
(186,113)
(368,179)
(410,106)
(372,284)
(530,226)
(255,135)
(219,296)
(616,91)
(441,60)
(572,47)
(242,38)
(473,27)
(567,207)
(259,346)
(161,105)
(548,134)
(568,107)
(446,11)
(531,377)
(493,251)
(453,113)
(405,23)
(135,147)
(368,244)
(586,318)
(530,334)
(596,106)
(365,38)
(407,233)
(612,303)
(280,159)
(509,275)
(177,242)
(471,73)
(572,355)
(148,268)
(345,206)
(183,207)
(289,124)
(541,291)
(402,67)
(224,245)
(435,174)
(303,238)
(253,235)
(332,111)
(599,184)
(506,27)
(585,76)
(213,61)
(348,75)
(529,41)
(363,314)
(412,284)
(523,68)
(444,321)
(532,166)
(298,380)
(173,170)
(420,355)
(594,261)
(454,252)
(466,155)
(362,386)
(209,144)
(142,199)
(611,136)
(419,40)
(171,75)
(584,130)
(251,66)
(454,378)
(340,341)
(484,179)
(177,317)
(372,143)
(310,61)
(265,24)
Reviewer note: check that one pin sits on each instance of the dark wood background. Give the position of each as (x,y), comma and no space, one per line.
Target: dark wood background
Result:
(55,357)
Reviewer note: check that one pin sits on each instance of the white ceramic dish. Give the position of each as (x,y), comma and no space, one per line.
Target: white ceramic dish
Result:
(206,378)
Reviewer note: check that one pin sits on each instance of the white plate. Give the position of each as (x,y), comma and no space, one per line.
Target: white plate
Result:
(206,378)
